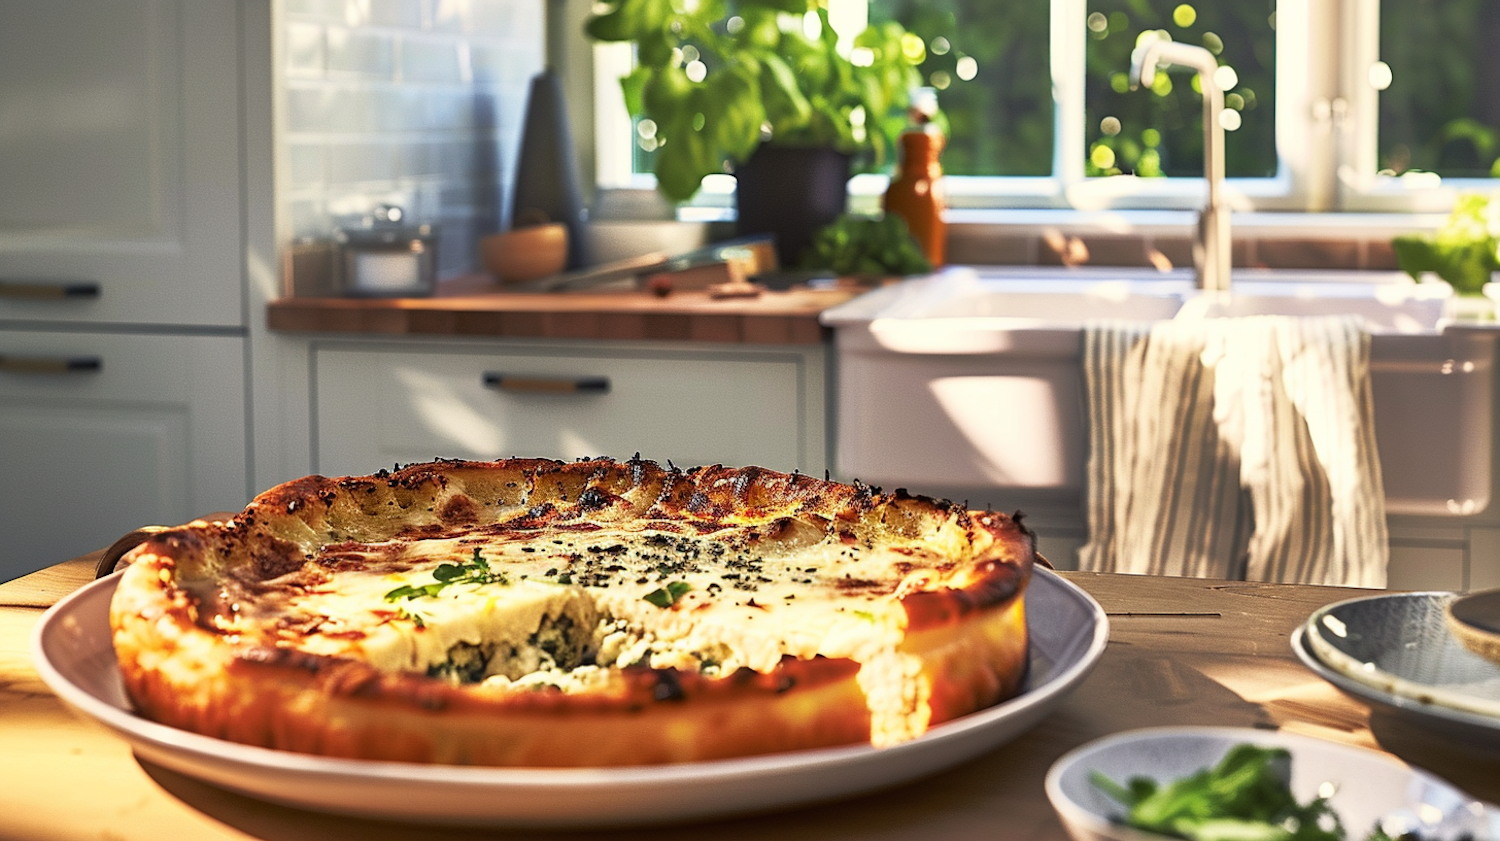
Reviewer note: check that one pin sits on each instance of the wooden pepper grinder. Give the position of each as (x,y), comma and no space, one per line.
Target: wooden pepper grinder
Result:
(916,190)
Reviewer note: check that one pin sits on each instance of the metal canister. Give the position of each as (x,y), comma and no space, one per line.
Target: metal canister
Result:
(384,257)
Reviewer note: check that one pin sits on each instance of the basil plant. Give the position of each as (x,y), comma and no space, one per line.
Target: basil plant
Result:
(717,78)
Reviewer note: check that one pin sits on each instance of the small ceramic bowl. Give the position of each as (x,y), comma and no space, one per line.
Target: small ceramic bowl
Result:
(1368,788)
(522,254)
(1475,620)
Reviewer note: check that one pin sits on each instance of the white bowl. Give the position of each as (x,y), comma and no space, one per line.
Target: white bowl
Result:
(1369,787)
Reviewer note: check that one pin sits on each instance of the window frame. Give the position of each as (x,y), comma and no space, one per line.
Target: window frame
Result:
(1326,131)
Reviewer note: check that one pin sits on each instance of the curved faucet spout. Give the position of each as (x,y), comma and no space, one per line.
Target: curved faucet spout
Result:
(1162,51)
(1213,247)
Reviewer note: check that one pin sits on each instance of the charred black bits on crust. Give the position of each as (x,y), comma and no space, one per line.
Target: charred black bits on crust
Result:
(668,687)
(592,499)
(699,503)
(742,482)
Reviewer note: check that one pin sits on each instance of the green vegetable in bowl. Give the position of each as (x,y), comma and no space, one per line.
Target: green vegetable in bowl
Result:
(1246,797)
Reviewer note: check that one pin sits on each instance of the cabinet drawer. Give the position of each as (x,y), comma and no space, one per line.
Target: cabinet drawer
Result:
(377,406)
(102,433)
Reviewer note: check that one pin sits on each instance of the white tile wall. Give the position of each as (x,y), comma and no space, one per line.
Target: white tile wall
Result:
(415,102)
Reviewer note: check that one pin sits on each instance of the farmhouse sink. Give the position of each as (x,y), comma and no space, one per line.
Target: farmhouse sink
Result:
(968,383)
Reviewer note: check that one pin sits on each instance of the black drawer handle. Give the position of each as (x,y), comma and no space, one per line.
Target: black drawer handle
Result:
(46,290)
(546,385)
(50,365)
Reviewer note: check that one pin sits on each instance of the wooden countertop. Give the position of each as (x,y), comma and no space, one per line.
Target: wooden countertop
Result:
(1181,651)
(474,306)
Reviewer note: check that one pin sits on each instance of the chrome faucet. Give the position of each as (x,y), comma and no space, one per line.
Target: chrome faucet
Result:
(1211,253)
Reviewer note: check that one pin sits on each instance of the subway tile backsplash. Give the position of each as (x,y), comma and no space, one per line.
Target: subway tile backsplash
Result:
(417,103)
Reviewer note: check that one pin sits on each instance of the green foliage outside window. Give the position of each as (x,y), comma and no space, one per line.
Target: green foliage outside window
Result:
(1440,111)
(1160,132)
(990,64)
(1002,116)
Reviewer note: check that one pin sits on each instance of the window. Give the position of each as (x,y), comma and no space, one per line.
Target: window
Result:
(1160,132)
(1439,108)
(994,88)
(1330,104)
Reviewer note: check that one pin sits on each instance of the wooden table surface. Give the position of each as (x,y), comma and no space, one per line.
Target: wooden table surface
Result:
(1181,651)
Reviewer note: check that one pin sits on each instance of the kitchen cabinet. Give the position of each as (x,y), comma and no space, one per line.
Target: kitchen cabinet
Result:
(132,429)
(119,163)
(376,404)
(122,253)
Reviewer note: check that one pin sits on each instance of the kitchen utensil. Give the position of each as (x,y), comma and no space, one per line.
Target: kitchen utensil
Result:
(383,257)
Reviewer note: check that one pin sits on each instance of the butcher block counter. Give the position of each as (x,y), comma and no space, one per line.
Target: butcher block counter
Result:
(1180,651)
(474,306)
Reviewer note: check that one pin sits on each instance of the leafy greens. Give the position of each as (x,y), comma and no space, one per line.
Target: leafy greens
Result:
(1246,797)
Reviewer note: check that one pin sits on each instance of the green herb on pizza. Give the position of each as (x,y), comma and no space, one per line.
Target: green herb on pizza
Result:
(476,571)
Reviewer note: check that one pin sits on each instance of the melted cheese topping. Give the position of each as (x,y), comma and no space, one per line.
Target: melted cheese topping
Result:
(733,608)
(559,608)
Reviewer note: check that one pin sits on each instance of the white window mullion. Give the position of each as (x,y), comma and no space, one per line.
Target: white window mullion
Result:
(1358,141)
(1068,34)
(1306,84)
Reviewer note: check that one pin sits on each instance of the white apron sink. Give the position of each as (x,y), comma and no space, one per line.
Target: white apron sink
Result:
(971,381)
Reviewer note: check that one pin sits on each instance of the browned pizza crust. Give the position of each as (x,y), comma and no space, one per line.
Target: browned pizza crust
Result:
(246,630)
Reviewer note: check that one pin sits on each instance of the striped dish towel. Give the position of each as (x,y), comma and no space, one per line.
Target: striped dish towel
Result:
(1240,448)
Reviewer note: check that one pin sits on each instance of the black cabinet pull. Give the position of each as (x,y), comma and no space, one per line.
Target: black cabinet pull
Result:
(51,365)
(546,385)
(48,290)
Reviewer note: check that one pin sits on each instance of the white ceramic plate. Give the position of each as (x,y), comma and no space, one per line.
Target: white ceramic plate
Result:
(72,652)
(1400,645)
(1369,787)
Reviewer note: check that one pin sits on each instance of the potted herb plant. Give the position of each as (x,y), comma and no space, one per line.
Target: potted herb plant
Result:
(769,90)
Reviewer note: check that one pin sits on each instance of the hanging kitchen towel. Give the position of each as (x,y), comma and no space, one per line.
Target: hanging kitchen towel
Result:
(1234,448)
(1163,486)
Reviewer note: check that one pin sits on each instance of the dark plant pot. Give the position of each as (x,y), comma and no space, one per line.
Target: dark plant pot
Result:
(791,192)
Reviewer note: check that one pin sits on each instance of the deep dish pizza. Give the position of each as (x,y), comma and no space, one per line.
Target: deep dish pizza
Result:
(595,613)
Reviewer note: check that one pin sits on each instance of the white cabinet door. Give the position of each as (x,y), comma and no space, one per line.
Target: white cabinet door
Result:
(102,433)
(119,162)
(378,405)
